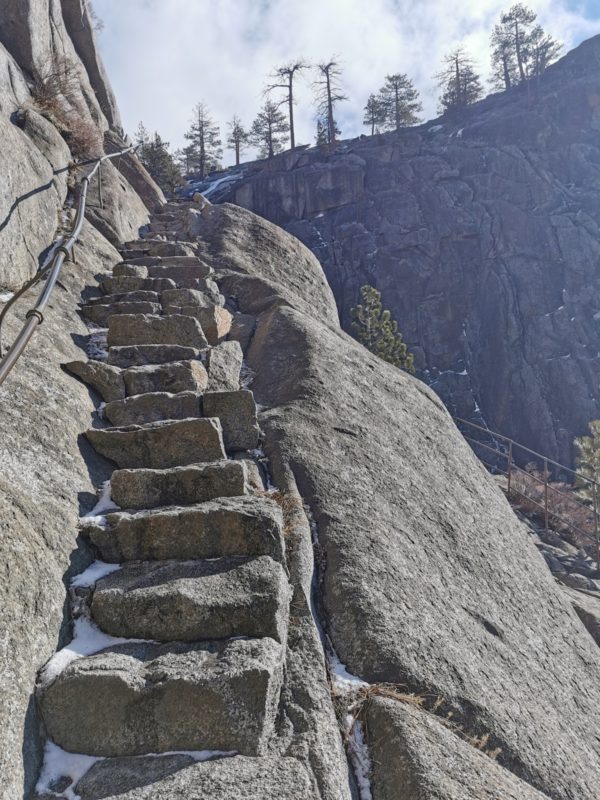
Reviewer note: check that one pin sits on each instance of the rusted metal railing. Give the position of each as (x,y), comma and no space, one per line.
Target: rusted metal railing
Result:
(556,500)
(35,316)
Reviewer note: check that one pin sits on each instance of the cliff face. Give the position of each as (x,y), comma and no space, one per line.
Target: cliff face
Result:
(483,236)
(47,476)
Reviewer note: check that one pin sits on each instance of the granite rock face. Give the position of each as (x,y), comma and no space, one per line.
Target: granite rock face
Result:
(483,236)
(411,527)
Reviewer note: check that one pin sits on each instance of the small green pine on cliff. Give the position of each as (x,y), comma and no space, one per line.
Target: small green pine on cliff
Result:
(588,459)
(378,332)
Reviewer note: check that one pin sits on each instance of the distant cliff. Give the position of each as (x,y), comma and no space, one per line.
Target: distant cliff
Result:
(482,234)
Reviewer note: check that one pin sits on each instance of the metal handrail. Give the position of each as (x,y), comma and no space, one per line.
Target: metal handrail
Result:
(35,315)
(505,449)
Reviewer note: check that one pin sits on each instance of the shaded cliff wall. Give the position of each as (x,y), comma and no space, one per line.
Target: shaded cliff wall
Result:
(428,578)
(46,476)
(482,233)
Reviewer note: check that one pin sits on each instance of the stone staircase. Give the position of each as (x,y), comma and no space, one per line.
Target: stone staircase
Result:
(199,604)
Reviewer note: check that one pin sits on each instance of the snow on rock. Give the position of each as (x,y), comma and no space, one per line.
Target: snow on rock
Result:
(6,296)
(358,752)
(104,504)
(58,763)
(87,640)
(96,570)
(343,681)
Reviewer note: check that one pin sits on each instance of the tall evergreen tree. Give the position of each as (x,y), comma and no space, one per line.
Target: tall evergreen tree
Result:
(237,139)
(588,460)
(543,51)
(284,77)
(328,94)
(160,164)
(399,102)
(374,114)
(516,23)
(459,82)
(378,332)
(520,48)
(504,64)
(269,131)
(205,140)
(141,138)
(321,137)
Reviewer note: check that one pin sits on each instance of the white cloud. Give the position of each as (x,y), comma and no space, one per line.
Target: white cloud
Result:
(163,56)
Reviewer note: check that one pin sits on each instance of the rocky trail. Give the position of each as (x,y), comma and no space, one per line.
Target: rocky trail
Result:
(190,595)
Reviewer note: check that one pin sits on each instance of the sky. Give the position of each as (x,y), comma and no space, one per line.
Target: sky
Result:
(164,56)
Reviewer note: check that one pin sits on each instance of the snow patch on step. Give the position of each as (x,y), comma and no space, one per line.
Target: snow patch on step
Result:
(97,344)
(105,503)
(95,571)
(6,296)
(87,640)
(60,764)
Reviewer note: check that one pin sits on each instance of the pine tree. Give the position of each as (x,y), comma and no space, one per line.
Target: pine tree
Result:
(588,460)
(269,131)
(504,64)
(399,102)
(374,114)
(327,95)
(543,51)
(321,137)
(205,140)
(378,332)
(237,138)
(459,82)
(141,139)
(160,164)
(284,79)
(516,23)
(185,159)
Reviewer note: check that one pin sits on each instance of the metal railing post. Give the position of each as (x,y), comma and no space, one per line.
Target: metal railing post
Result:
(595,499)
(509,469)
(35,316)
(546,493)
(100,195)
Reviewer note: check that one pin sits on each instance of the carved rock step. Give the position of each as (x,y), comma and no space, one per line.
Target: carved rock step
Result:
(247,526)
(100,313)
(135,329)
(167,235)
(161,261)
(191,601)
(160,445)
(142,247)
(154,354)
(214,320)
(196,483)
(164,778)
(140,296)
(126,269)
(130,283)
(237,414)
(224,365)
(178,376)
(187,277)
(153,407)
(207,294)
(104,378)
(146,698)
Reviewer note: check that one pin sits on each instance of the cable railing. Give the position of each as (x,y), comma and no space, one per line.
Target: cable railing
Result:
(35,316)
(536,489)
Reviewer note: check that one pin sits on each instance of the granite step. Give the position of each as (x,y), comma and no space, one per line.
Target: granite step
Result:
(174,377)
(136,329)
(151,354)
(138,489)
(227,526)
(100,313)
(191,601)
(160,445)
(143,697)
(130,283)
(153,407)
